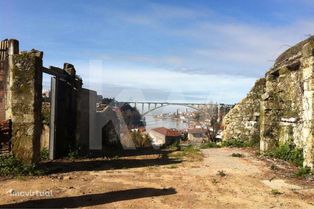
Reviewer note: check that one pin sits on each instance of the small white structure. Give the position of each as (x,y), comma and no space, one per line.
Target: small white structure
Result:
(163,136)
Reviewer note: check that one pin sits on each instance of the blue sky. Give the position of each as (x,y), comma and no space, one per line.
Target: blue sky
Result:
(169,50)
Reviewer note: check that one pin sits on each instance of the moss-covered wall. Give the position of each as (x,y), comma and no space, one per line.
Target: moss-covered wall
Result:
(281,108)
(26,101)
(284,104)
(242,121)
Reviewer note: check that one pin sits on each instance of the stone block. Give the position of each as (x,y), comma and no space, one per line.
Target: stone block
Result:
(26,106)
(308,49)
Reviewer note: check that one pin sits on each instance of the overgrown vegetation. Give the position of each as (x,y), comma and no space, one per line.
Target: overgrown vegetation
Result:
(45,113)
(303,172)
(140,140)
(10,166)
(73,155)
(44,154)
(275,192)
(241,143)
(290,153)
(189,152)
(287,152)
(209,145)
(174,146)
(77,152)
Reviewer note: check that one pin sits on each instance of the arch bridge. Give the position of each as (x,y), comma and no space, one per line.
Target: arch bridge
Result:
(152,106)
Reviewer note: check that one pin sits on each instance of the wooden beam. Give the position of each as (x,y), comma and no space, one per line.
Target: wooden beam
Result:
(54,71)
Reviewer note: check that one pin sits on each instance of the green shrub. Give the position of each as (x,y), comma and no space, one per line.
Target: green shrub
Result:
(287,152)
(10,166)
(209,145)
(254,142)
(140,140)
(174,146)
(241,143)
(303,171)
(44,154)
(233,143)
(73,155)
(190,152)
(45,113)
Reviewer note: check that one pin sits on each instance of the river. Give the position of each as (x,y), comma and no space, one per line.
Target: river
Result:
(153,122)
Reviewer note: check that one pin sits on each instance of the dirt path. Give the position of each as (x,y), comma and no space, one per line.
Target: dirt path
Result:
(141,182)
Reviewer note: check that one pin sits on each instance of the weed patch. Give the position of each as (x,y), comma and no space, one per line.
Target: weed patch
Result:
(73,155)
(10,166)
(174,146)
(288,153)
(303,172)
(240,143)
(209,145)
(221,173)
(190,152)
(276,192)
(44,154)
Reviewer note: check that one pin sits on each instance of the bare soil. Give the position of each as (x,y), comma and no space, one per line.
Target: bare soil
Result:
(155,181)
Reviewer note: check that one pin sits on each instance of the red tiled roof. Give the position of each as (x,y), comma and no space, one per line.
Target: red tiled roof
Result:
(167,132)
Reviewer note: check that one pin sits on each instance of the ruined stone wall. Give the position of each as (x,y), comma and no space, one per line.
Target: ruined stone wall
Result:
(285,104)
(307,100)
(281,107)
(242,121)
(26,88)
(21,102)
(287,108)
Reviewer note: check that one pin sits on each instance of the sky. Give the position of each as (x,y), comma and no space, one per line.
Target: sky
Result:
(161,50)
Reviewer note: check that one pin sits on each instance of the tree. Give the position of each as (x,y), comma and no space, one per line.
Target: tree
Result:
(131,116)
(197,116)
(140,140)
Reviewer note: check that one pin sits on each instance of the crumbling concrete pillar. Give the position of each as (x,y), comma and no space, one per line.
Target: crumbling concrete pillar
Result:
(26,101)
(86,111)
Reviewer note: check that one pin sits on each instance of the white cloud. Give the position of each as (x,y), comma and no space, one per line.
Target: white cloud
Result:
(208,43)
(208,56)
(222,88)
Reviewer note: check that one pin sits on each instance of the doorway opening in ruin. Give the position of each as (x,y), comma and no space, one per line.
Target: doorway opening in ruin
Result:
(46,115)
(110,139)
